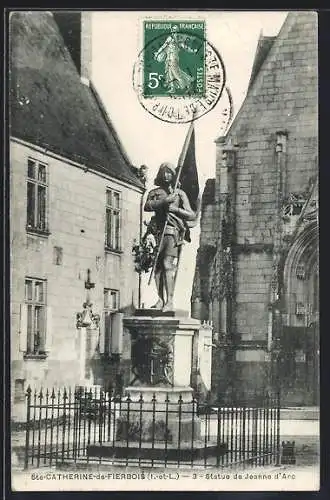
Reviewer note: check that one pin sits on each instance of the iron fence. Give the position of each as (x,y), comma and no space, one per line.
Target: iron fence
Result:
(161,429)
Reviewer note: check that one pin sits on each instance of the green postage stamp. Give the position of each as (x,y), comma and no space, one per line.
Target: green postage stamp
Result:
(174,58)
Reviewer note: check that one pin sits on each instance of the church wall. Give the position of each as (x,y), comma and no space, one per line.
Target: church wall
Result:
(253,278)
(207,225)
(283,98)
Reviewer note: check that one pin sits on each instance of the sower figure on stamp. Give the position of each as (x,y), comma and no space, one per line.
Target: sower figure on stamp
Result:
(175,77)
(171,220)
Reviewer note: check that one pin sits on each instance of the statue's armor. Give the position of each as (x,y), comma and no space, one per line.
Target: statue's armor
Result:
(175,230)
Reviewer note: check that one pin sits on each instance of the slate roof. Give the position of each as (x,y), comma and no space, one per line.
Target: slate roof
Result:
(51,107)
(264,45)
(284,68)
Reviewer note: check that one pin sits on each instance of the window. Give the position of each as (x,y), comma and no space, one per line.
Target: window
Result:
(58,256)
(35,300)
(113,220)
(300,272)
(300,309)
(36,196)
(111,300)
(109,329)
(19,390)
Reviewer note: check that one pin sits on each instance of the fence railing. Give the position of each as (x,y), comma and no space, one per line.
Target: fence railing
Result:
(91,425)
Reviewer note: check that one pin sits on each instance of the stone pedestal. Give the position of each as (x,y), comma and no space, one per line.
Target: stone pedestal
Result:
(162,348)
(162,357)
(158,414)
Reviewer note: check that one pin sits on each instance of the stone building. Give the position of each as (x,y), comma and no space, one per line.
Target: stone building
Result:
(74,213)
(257,265)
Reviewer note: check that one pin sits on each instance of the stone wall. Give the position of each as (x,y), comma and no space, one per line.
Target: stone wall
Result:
(76,209)
(282,99)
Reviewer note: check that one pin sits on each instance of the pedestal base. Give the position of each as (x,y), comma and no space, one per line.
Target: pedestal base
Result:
(156,313)
(187,452)
(158,414)
(159,424)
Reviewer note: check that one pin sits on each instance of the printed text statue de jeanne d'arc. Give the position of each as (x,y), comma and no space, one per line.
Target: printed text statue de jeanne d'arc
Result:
(170,226)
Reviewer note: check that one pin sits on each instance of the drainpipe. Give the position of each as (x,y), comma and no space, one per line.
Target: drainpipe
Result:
(224,313)
(219,202)
(228,190)
(280,162)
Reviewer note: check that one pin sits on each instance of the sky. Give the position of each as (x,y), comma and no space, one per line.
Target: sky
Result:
(116,42)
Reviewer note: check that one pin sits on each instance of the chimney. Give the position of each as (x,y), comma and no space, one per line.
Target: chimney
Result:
(76,30)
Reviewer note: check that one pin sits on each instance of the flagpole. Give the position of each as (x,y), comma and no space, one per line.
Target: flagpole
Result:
(180,166)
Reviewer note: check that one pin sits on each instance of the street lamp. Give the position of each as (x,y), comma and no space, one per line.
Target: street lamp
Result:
(86,318)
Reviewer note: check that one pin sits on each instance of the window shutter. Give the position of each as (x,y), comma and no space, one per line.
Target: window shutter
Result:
(23,328)
(117,333)
(102,334)
(49,329)
(107,332)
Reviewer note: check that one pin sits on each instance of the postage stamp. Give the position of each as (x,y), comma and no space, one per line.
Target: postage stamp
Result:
(174,62)
(178,76)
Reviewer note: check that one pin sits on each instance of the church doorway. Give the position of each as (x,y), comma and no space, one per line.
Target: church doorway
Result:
(299,359)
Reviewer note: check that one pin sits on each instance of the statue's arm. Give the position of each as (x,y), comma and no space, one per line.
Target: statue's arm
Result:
(186,212)
(154,201)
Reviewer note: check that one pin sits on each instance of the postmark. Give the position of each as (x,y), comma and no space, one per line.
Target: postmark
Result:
(178,76)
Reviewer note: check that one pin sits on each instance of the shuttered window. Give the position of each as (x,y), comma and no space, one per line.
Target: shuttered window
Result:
(113,220)
(37,185)
(35,319)
(111,305)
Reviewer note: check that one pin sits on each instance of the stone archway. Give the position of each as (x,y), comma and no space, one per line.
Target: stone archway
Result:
(300,335)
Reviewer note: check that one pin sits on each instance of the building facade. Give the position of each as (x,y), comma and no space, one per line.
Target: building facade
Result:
(256,273)
(75,210)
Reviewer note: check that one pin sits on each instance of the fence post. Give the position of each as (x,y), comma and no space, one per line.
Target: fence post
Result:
(64,418)
(180,401)
(254,436)
(218,436)
(243,445)
(101,415)
(75,424)
(27,434)
(278,422)
(40,398)
(89,423)
(130,426)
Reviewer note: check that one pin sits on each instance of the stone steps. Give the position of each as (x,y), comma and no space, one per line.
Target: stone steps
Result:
(300,413)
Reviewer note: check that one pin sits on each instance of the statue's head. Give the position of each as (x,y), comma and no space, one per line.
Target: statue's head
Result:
(166,174)
(174,28)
